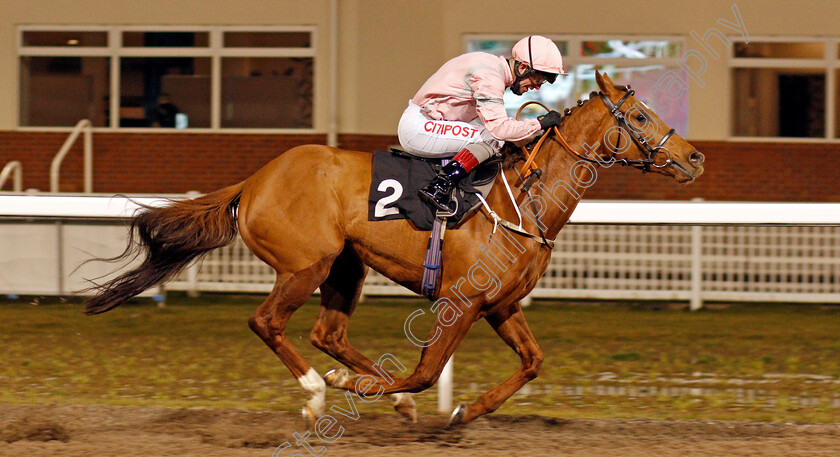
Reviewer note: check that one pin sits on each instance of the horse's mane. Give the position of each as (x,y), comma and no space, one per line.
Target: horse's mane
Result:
(512,153)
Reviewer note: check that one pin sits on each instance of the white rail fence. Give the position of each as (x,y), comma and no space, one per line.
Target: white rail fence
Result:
(626,262)
(691,251)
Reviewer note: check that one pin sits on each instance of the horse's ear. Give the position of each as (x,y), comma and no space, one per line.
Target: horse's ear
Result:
(602,81)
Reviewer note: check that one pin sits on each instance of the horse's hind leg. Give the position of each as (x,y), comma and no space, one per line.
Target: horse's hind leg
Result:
(511,326)
(339,297)
(269,322)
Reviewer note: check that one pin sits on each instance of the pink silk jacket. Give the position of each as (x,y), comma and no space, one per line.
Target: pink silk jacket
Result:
(472,85)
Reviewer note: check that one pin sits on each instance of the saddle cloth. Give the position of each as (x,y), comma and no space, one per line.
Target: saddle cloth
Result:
(397,177)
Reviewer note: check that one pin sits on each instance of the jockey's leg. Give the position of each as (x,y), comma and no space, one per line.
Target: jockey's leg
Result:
(438,192)
(469,142)
(339,297)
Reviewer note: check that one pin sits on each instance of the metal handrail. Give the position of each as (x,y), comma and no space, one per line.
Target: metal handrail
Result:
(17,181)
(82,126)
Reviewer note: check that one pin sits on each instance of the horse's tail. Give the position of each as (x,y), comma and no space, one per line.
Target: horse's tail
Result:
(170,237)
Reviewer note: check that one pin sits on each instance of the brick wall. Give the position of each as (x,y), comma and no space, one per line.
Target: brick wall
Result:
(737,171)
(147,162)
(179,162)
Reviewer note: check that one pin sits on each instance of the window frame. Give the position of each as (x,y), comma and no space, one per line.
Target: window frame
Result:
(215,51)
(830,64)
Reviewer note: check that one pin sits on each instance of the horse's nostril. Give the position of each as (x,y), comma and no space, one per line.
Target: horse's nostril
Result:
(696,158)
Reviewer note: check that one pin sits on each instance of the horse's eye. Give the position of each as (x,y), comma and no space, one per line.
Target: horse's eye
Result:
(641,118)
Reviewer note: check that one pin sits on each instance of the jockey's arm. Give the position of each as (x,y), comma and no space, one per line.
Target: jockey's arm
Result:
(488,91)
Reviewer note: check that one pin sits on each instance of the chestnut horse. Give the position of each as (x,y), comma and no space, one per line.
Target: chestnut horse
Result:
(306,214)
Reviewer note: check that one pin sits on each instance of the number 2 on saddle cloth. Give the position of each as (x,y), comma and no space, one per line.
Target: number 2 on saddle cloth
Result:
(395,180)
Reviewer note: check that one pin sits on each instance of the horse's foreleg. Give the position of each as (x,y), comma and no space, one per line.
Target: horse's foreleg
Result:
(511,326)
(269,323)
(443,340)
(339,297)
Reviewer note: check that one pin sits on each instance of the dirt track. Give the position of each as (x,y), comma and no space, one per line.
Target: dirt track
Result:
(43,430)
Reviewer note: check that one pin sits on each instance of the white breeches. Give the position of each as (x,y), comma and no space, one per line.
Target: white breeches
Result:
(426,137)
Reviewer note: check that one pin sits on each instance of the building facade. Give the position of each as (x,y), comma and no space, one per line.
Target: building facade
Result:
(194,95)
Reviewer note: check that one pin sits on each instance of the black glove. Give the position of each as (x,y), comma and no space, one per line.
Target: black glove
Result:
(549,120)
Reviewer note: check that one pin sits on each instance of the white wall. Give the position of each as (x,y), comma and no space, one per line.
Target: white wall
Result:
(42,258)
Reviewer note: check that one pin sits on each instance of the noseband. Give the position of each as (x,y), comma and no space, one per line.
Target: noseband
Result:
(638,139)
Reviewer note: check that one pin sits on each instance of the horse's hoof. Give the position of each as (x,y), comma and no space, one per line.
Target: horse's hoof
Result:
(337,378)
(309,416)
(457,417)
(404,404)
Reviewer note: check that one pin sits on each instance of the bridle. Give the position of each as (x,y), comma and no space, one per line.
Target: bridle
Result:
(530,172)
(638,139)
(641,142)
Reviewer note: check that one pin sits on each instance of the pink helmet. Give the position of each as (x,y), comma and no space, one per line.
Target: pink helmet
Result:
(540,53)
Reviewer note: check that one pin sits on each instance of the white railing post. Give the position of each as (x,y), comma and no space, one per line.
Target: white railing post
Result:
(17,180)
(55,167)
(696,302)
(696,267)
(445,387)
(192,280)
(192,270)
(160,297)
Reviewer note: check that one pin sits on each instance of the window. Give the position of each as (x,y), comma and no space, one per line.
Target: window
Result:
(642,63)
(162,39)
(65,78)
(64,90)
(79,38)
(154,91)
(267,92)
(167,77)
(268,39)
(782,88)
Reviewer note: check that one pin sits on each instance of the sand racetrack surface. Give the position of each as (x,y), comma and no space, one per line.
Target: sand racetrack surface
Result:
(48,430)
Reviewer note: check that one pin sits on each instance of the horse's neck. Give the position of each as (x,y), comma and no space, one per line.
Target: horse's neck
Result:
(558,191)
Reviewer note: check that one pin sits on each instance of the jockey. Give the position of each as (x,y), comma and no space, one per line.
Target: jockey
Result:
(460,111)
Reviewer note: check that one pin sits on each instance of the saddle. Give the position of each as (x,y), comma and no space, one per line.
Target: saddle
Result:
(398,176)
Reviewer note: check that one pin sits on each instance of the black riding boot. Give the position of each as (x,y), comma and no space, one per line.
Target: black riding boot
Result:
(439,191)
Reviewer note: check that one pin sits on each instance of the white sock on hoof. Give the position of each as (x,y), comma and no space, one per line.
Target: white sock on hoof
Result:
(400,398)
(404,404)
(312,384)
